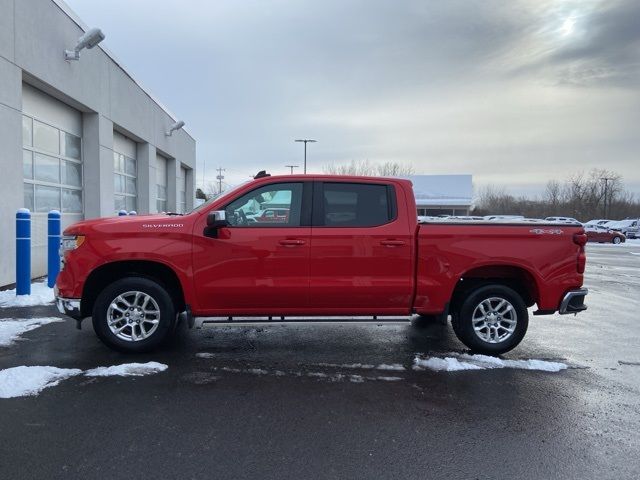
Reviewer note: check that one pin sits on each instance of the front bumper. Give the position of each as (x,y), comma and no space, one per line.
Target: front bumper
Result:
(69,306)
(573,301)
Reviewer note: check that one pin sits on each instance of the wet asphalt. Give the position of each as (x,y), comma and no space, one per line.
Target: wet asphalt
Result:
(278,402)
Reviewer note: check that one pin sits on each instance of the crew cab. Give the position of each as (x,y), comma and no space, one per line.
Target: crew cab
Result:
(350,247)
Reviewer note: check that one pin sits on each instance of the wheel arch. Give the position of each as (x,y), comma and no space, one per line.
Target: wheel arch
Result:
(517,278)
(102,276)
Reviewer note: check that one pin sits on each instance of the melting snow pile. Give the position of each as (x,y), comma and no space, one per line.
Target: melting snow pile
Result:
(40,295)
(482,362)
(127,370)
(11,329)
(23,381)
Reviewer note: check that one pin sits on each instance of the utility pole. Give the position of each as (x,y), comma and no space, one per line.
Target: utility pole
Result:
(292,167)
(220,177)
(306,140)
(204,164)
(606,190)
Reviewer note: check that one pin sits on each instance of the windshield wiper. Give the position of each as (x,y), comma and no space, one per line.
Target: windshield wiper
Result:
(173,213)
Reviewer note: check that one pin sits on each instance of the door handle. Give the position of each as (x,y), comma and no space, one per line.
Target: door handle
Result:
(291,242)
(392,243)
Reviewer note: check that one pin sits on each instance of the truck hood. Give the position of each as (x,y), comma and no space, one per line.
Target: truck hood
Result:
(126,224)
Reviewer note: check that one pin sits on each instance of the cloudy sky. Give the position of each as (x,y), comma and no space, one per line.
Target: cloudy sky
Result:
(514,92)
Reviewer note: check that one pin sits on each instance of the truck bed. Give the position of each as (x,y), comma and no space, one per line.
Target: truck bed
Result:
(539,257)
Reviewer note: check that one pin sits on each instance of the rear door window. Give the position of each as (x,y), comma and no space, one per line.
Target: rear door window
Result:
(355,205)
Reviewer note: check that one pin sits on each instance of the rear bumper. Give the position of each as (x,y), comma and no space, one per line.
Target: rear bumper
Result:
(573,301)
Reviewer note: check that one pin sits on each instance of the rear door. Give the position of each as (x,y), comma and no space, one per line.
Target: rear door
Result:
(361,250)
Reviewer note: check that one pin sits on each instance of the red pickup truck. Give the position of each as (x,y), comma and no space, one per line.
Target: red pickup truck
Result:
(350,247)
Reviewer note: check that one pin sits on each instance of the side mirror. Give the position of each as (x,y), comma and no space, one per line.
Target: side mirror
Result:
(215,220)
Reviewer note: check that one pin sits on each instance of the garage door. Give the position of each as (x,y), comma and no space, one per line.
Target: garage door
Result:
(52,163)
(125,173)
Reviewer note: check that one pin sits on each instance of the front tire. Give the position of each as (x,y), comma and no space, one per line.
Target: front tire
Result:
(492,320)
(134,315)
(616,240)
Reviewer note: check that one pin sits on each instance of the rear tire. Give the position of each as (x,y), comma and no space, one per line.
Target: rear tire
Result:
(492,320)
(134,315)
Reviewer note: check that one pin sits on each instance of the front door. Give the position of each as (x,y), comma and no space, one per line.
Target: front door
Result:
(361,250)
(253,267)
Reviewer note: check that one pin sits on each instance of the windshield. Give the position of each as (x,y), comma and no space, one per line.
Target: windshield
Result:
(232,190)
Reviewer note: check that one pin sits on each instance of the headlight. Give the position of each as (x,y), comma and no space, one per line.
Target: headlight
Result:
(70,242)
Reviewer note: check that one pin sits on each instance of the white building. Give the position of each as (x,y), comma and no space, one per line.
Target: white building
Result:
(82,137)
(442,194)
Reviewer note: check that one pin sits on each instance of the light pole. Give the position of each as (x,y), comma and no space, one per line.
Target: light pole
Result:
(306,140)
(292,167)
(606,189)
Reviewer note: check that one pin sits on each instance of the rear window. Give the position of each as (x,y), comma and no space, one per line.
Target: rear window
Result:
(357,205)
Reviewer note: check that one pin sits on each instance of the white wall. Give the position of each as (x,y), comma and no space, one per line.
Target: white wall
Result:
(90,98)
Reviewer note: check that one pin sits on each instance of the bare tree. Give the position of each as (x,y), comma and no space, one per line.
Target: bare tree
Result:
(366,168)
(394,169)
(580,196)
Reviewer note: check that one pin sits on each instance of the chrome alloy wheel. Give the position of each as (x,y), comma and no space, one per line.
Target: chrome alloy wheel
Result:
(494,320)
(133,316)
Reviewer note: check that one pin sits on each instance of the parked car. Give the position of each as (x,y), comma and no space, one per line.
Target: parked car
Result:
(602,234)
(633,230)
(597,222)
(351,246)
(562,220)
(628,227)
(465,218)
(503,217)
(272,215)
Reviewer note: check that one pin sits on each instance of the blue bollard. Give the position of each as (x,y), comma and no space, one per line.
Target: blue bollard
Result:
(122,213)
(53,247)
(23,252)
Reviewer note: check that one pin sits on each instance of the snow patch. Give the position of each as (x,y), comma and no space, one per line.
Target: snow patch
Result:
(393,366)
(23,381)
(41,294)
(447,364)
(12,328)
(127,370)
(363,366)
(389,379)
(205,355)
(483,362)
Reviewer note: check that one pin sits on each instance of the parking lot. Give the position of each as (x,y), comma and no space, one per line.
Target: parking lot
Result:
(341,401)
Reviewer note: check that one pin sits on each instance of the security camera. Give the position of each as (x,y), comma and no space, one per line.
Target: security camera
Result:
(176,126)
(89,40)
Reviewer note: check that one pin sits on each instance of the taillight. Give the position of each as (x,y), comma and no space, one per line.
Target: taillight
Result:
(580,239)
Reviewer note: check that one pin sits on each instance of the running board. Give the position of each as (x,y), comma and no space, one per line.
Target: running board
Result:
(200,322)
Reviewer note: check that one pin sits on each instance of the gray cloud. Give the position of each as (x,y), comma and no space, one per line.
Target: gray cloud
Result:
(492,88)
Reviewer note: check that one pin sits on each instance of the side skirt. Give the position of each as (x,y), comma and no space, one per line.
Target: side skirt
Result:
(200,322)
